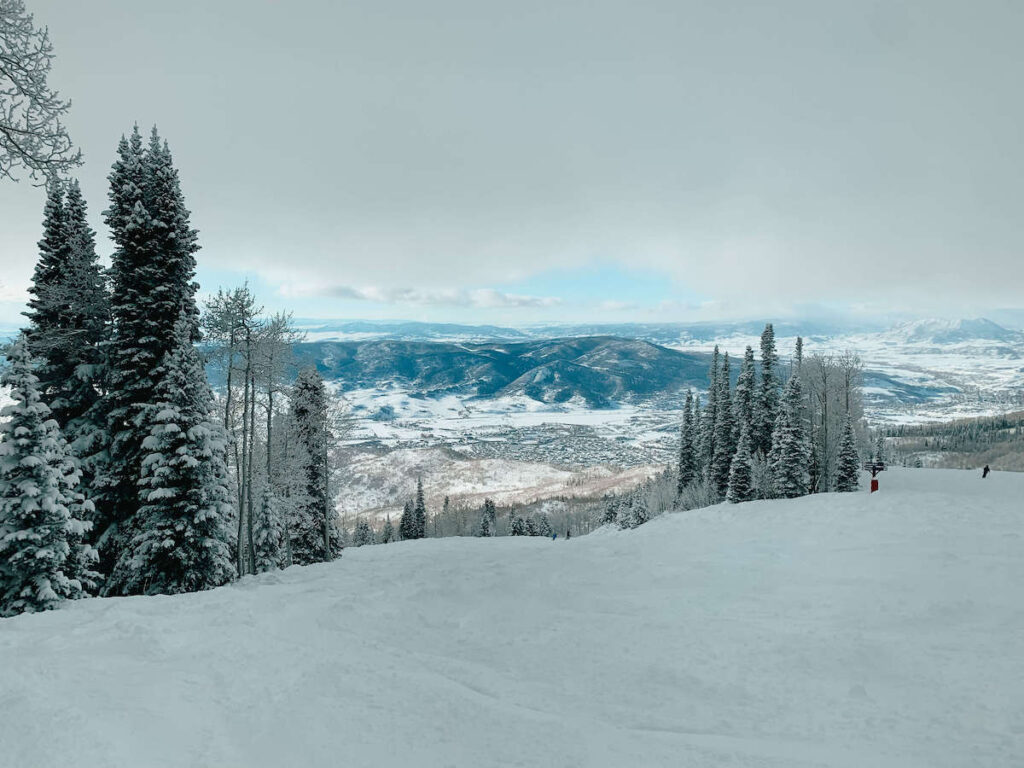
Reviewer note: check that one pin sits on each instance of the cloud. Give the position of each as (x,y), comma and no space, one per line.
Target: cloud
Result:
(479,298)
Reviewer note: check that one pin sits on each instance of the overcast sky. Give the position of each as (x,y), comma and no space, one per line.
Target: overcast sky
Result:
(523,161)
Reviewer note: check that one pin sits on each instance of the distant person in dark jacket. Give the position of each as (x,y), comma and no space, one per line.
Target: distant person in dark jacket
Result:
(985,471)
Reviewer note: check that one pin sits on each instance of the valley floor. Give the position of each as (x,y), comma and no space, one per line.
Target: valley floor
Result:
(856,630)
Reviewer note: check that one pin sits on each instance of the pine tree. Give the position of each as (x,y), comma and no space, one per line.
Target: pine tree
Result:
(488,518)
(181,535)
(744,401)
(420,511)
(709,419)
(543,525)
(848,462)
(530,526)
(516,525)
(152,281)
(725,425)
(309,414)
(387,535)
(68,316)
(767,402)
(270,535)
(363,535)
(741,476)
(42,557)
(788,460)
(686,473)
(634,512)
(407,523)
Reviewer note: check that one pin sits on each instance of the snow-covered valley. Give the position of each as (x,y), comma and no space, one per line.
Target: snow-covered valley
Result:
(832,630)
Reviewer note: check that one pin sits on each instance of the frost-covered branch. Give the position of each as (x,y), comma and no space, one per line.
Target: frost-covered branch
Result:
(32,134)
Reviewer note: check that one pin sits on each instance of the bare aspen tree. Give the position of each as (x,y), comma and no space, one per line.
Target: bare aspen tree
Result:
(32,134)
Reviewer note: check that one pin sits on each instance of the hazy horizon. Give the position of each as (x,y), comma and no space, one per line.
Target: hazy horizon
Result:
(590,162)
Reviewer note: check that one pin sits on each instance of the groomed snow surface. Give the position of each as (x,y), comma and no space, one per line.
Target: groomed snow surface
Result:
(859,630)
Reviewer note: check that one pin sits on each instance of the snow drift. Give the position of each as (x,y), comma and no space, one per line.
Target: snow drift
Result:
(856,630)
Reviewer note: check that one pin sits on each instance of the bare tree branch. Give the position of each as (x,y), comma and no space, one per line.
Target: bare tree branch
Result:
(32,134)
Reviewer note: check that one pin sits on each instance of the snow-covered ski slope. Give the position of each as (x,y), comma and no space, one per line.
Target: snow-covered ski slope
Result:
(859,631)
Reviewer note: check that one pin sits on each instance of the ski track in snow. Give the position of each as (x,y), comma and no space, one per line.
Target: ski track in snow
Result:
(852,631)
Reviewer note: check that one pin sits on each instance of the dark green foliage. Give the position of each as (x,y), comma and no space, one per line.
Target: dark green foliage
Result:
(152,282)
(788,460)
(420,512)
(181,534)
(309,417)
(848,462)
(686,472)
(767,398)
(42,558)
(725,435)
(741,477)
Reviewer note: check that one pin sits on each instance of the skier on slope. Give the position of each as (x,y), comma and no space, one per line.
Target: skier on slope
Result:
(985,471)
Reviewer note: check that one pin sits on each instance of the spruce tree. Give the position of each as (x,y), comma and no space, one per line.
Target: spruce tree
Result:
(767,401)
(420,511)
(725,425)
(42,558)
(516,525)
(363,535)
(68,317)
(309,414)
(181,534)
(387,534)
(531,526)
(543,525)
(741,475)
(685,473)
(270,535)
(152,282)
(407,523)
(744,401)
(788,459)
(848,462)
(488,519)
(709,419)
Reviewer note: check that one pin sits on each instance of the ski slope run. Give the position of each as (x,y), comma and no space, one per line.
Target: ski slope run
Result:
(859,630)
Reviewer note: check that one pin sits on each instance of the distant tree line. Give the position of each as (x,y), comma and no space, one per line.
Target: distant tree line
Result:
(961,444)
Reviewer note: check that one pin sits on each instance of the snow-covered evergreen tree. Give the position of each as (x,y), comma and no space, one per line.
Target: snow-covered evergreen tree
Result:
(744,401)
(420,511)
(788,460)
(516,525)
(152,284)
(709,419)
(725,436)
(741,473)
(309,414)
(686,473)
(363,535)
(488,519)
(181,534)
(543,525)
(634,512)
(42,557)
(68,318)
(767,401)
(611,512)
(270,533)
(407,523)
(848,462)
(387,534)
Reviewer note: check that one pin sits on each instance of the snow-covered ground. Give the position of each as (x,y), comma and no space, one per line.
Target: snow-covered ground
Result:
(858,630)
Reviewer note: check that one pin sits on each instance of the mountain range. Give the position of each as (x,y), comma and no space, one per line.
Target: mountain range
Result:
(597,370)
